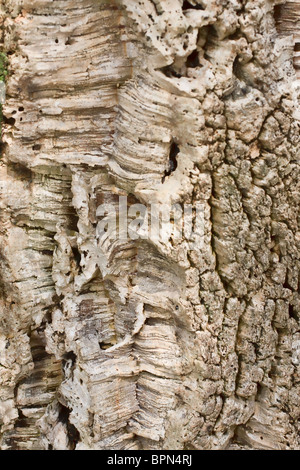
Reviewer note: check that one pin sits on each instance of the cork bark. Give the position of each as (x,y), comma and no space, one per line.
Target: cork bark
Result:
(137,344)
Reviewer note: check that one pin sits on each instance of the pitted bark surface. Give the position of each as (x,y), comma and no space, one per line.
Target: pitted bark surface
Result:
(140,344)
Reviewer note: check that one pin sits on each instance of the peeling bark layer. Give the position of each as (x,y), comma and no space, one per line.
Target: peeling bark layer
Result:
(137,344)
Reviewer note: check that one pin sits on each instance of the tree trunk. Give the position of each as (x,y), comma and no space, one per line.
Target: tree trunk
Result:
(122,343)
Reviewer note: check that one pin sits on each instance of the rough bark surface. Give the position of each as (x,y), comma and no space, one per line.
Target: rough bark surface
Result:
(136,344)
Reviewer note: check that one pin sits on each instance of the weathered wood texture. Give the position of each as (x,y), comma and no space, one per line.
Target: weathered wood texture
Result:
(162,347)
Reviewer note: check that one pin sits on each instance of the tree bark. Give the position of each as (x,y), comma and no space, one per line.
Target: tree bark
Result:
(146,344)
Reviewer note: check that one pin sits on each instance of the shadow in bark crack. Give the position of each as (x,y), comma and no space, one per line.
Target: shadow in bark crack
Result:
(73,434)
(174,151)
(189,6)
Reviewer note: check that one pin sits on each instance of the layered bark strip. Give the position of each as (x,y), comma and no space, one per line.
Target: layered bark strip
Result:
(123,343)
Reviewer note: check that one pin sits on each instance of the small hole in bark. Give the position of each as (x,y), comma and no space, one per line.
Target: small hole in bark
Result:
(73,222)
(193,59)
(21,422)
(277,13)
(56,40)
(73,434)
(70,356)
(170,72)
(48,315)
(150,321)
(237,67)
(36,147)
(11,121)
(188,6)
(292,313)
(77,255)
(234,36)
(21,109)
(174,150)
(103,346)
(297,47)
